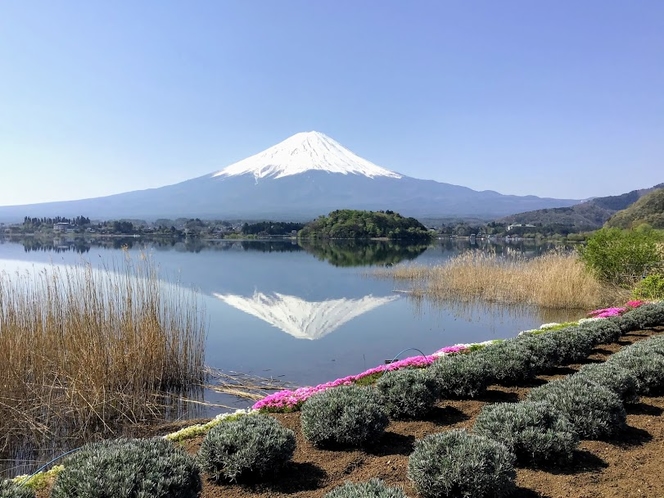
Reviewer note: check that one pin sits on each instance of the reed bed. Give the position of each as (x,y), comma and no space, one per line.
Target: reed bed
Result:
(556,279)
(90,350)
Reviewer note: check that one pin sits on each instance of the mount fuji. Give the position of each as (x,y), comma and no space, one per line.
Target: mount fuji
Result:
(306,175)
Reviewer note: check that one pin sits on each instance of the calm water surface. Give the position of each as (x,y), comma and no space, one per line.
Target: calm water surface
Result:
(304,316)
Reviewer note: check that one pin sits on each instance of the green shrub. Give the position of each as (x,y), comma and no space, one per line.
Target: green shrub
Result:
(626,322)
(544,349)
(459,376)
(534,431)
(129,468)
(601,331)
(250,447)
(375,488)
(574,344)
(647,367)
(407,393)
(10,489)
(648,315)
(614,377)
(508,363)
(651,287)
(459,464)
(594,410)
(343,416)
(619,256)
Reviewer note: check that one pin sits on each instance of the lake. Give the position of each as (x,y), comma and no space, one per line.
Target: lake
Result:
(303,314)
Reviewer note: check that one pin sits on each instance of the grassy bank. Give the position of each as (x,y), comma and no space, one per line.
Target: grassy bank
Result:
(89,350)
(553,280)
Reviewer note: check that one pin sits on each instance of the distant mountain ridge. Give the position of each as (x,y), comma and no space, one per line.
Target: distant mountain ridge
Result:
(588,215)
(648,209)
(302,177)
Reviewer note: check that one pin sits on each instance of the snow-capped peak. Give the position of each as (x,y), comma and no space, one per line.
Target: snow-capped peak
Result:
(302,152)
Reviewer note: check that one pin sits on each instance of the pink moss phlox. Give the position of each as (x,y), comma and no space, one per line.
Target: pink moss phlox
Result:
(288,399)
(616,311)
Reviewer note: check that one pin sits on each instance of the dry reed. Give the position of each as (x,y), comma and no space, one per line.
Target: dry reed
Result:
(554,280)
(86,350)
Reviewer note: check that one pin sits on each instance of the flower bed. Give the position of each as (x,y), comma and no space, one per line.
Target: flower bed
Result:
(291,400)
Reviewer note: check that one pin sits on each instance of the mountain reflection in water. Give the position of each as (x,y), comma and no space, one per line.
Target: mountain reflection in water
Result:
(303,319)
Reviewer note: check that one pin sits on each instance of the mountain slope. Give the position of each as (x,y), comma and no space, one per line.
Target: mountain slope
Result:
(301,178)
(648,209)
(588,215)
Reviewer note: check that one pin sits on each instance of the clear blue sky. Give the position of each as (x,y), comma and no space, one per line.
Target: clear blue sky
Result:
(553,98)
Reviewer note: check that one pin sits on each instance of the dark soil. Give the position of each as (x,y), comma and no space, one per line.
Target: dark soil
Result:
(627,466)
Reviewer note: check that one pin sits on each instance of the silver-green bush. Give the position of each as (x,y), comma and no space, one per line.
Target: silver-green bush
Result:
(343,416)
(647,315)
(129,468)
(508,362)
(601,331)
(459,376)
(247,448)
(459,464)
(10,489)
(407,393)
(544,349)
(627,322)
(574,344)
(533,430)
(375,488)
(594,410)
(647,367)
(611,375)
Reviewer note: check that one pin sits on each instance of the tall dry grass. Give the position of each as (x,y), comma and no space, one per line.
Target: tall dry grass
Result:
(84,349)
(554,280)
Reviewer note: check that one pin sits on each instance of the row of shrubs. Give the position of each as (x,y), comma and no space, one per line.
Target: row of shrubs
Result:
(543,429)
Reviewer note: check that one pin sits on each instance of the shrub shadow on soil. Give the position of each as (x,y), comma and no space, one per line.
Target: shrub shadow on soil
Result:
(630,437)
(392,443)
(643,409)
(582,461)
(498,396)
(295,477)
(445,415)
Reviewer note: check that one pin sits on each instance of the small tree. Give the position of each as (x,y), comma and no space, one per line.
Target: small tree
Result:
(621,256)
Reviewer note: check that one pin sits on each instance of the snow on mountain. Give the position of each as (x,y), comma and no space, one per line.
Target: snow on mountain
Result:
(302,152)
(303,319)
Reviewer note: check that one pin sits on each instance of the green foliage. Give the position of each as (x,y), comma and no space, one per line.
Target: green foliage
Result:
(534,431)
(648,209)
(651,287)
(611,375)
(574,345)
(594,410)
(354,224)
(375,488)
(601,331)
(10,489)
(459,376)
(407,393)
(543,348)
(458,464)
(647,315)
(250,447)
(343,416)
(129,468)
(347,253)
(508,363)
(621,256)
(645,364)
(271,228)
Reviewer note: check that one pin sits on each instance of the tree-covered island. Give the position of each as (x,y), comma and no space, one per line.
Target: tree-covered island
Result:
(355,224)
